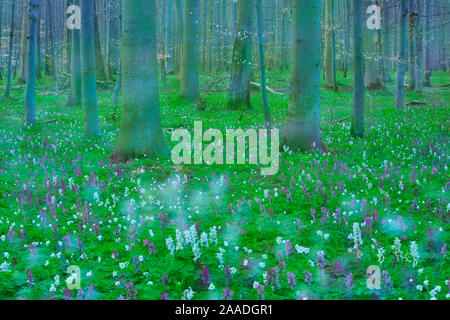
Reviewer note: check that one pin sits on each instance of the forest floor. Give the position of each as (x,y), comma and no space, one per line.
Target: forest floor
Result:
(147,228)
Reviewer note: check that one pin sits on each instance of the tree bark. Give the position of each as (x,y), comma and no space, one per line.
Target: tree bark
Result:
(190,63)
(357,128)
(412,47)
(10,52)
(88,77)
(30,90)
(140,132)
(329,63)
(241,65)
(75,81)
(400,81)
(428,66)
(302,131)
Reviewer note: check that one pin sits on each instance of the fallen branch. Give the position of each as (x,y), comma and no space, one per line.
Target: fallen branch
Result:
(416,103)
(48,121)
(269,89)
(343,119)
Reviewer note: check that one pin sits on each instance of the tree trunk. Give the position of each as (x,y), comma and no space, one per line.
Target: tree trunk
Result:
(99,61)
(23,44)
(358,92)
(180,28)
(170,51)
(10,52)
(372,75)
(75,81)
(412,47)
(302,130)
(30,90)
(347,28)
(386,39)
(419,48)
(284,36)
(268,122)
(88,78)
(428,67)
(241,65)
(400,81)
(329,63)
(140,132)
(190,87)
(38,49)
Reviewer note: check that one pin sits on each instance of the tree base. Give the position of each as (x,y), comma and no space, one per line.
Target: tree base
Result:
(238,105)
(378,85)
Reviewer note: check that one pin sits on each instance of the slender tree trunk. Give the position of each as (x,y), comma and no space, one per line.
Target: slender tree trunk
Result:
(99,61)
(88,78)
(10,52)
(50,53)
(190,87)
(347,28)
(386,39)
(108,66)
(30,90)
(284,36)
(412,47)
(170,51)
(38,40)
(329,63)
(163,44)
(140,132)
(302,131)
(180,29)
(1,37)
(241,65)
(419,47)
(428,66)
(358,92)
(265,103)
(75,81)
(23,44)
(400,81)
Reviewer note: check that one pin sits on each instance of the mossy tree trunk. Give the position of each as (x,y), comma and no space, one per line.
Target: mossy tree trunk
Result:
(428,66)
(386,39)
(140,132)
(372,41)
(10,52)
(23,44)
(400,81)
(241,64)
(302,131)
(75,81)
(190,61)
(329,63)
(99,61)
(419,48)
(30,90)
(357,128)
(412,46)
(88,77)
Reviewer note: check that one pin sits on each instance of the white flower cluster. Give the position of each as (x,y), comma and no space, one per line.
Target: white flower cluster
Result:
(187,294)
(301,249)
(380,255)
(397,247)
(190,237)
(414,251)
(357,236)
